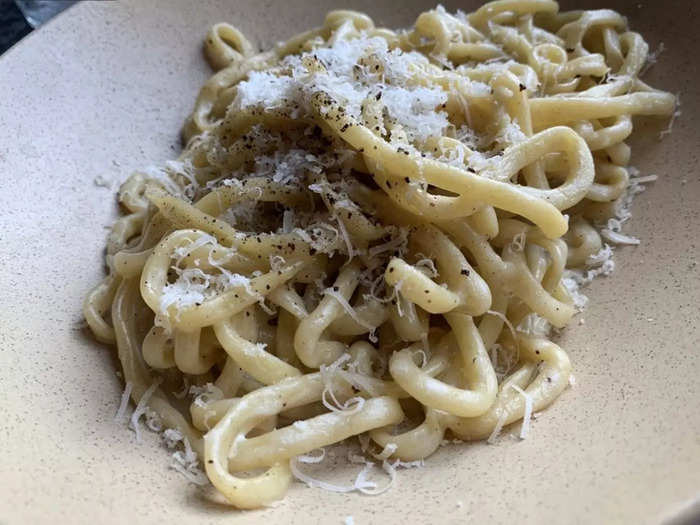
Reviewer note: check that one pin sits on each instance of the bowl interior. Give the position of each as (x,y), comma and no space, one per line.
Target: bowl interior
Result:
(104,88)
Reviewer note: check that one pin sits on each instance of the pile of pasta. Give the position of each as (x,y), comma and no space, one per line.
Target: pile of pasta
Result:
(372,233)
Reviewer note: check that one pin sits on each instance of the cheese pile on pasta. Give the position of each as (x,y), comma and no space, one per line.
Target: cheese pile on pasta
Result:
(371,233)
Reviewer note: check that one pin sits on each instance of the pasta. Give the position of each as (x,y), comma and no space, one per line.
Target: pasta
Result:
(372,233)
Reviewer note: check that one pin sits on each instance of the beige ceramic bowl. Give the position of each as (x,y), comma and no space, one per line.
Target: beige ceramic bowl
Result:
(103,89)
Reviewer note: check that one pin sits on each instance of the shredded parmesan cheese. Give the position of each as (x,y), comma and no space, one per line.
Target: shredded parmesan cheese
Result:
(617,237)
(153,420)
(328,374)
(652,58)
(348,308)
(518,243)
(172,437)
(207,393)
(414,107)
(525,426)
(386,452)
(141,407)
(497,429)
(312,459)
(331,487)
(186,463)
(506,321)
(427,266)
(533,324)
(120,416)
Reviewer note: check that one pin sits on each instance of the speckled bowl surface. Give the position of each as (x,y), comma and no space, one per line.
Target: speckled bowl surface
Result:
(104,88)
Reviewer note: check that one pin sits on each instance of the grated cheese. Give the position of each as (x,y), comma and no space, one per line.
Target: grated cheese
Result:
(348,308)
(390,469)
(601,257)
(346,238)
(611,230)
(525,426)
(674,116)
(346,75)
(533,324)
(617,237)
(600,263)
(153,420)
(142,406)
(120,416)
(185,462)
(194,286)
(360,381)
(318,483)
(506,321)
(427,266)
(518,243)
(181,252)
(369,487)
(652,58)
(571,282)
(312,459)
(423,356)
(396,243)
(497,429)
(166,177)
(206,394)
(362,483)
(172,437)
(328,374)
(386,452)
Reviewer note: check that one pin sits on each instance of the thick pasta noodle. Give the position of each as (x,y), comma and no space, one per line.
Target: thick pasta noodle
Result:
(371,233)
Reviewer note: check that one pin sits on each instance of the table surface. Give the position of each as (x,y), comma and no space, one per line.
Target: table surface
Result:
(13,26)
(102,90)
